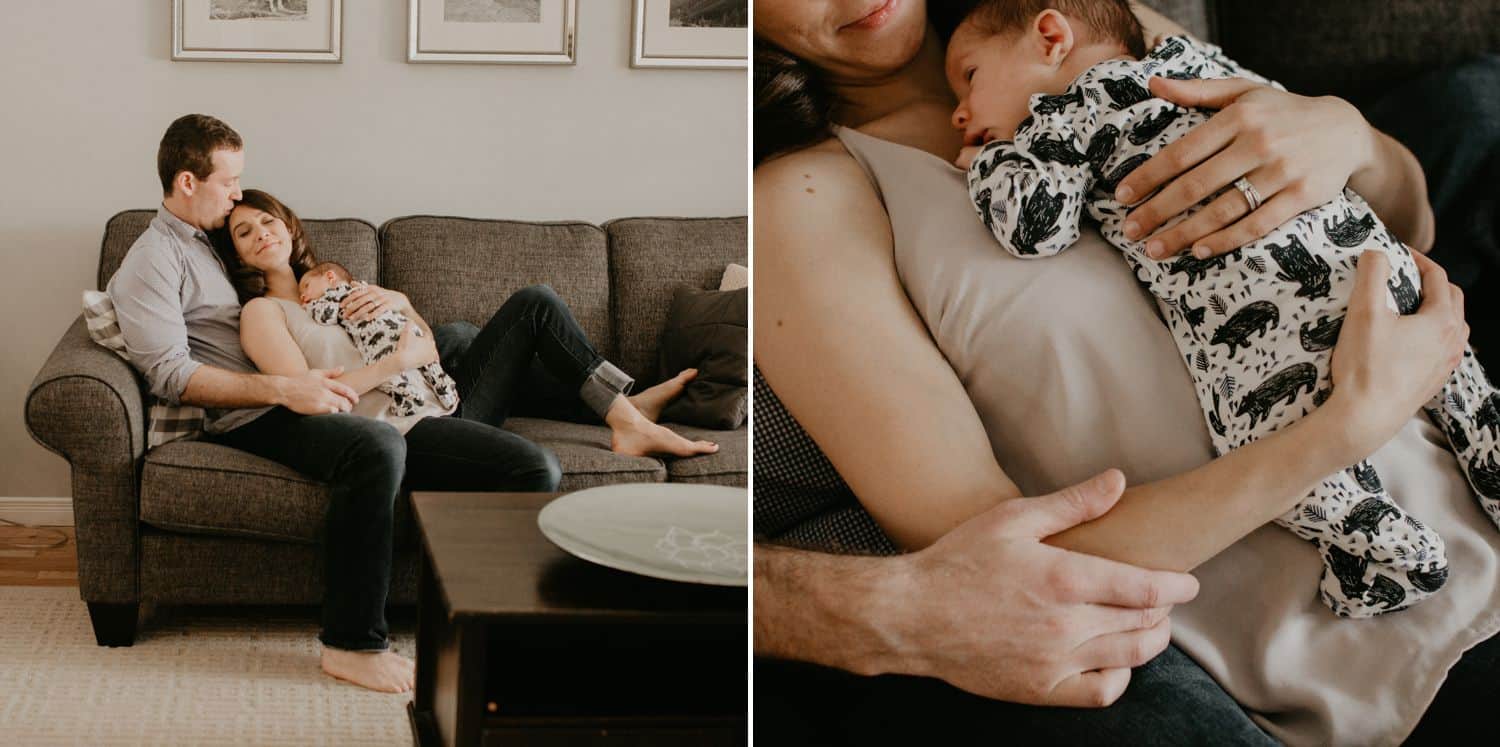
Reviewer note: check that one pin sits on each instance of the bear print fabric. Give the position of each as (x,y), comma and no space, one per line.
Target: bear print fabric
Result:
(1256,326)
(375,339)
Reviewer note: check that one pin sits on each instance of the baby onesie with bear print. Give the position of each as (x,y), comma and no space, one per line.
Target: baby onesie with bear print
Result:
(1256,326)
(375,339)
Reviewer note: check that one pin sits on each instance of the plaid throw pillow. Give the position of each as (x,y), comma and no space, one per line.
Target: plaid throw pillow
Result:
(165,423)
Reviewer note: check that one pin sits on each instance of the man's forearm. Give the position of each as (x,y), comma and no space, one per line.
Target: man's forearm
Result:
(824,608)
(215,387)
(1179,522)
(1396,189)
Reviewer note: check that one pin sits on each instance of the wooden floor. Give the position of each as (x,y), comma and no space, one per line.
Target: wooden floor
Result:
(53,566)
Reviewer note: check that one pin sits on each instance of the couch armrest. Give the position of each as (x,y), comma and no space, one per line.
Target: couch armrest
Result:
(85,404)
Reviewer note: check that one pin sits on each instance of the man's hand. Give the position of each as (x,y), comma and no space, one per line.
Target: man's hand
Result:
(993,610)
(317,393)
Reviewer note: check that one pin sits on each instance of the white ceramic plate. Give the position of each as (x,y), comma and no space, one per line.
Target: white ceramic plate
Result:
(693,533)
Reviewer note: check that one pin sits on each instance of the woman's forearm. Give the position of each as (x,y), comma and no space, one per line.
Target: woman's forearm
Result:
(365,378)
(1396,188)
(1181,521)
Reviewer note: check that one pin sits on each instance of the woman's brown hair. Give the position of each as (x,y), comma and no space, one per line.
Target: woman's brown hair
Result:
(248,281)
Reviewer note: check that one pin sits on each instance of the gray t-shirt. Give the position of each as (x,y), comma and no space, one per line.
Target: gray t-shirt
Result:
(178,311)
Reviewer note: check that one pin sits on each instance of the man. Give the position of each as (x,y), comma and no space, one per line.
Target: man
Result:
(179,316)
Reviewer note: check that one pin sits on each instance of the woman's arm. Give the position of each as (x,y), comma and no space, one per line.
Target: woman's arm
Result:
(264,336)
(896,423)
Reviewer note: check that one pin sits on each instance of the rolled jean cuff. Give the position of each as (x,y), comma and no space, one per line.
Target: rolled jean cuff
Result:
(603,384)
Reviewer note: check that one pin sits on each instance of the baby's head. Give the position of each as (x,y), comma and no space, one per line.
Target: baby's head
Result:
(1006,50)
(320,278)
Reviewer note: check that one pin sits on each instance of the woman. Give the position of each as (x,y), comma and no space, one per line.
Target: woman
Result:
(266,250)
(1019,366)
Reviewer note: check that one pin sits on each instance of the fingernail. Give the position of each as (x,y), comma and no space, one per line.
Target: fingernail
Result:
(1155,249)
(1124,193)
(1201,252)
(1132,229)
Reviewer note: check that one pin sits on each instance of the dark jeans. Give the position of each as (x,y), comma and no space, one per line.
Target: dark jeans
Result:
(1170,701)
(1450,120)
(367,463)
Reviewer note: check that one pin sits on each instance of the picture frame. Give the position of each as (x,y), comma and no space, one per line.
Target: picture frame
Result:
(258,30)
(690,34)
(503,32)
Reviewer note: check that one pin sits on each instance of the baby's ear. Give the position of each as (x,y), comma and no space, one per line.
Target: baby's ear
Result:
(1056,35)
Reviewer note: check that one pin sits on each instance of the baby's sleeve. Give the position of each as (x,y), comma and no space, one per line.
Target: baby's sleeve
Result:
(324,310)
(1030,192)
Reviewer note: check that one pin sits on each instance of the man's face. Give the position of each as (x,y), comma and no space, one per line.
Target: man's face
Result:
(213,198)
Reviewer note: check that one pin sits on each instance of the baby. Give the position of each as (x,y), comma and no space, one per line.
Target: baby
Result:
(1053,101)
(322,289)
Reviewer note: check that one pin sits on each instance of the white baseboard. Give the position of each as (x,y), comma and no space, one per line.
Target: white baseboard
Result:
(41,512)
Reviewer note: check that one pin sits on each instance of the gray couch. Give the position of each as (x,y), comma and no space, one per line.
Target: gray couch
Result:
(196,523)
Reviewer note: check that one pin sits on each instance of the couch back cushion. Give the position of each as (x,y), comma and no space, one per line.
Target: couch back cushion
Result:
(1355,50)
(463,268)
(1193,15)
(348,241)
(648,258)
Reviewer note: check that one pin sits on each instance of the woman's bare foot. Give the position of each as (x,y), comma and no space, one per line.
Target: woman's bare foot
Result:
(652,401)
(386,671)
(633,435)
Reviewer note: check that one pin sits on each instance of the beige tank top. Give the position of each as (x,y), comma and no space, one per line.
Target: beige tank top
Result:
(329,346)
(1072,371)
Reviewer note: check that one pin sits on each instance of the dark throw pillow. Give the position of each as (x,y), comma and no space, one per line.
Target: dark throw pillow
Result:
(706,330)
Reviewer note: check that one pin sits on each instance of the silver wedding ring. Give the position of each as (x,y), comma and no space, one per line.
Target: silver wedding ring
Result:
(1248,190)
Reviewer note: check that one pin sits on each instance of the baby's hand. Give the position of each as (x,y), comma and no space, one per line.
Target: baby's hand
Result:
(966,156)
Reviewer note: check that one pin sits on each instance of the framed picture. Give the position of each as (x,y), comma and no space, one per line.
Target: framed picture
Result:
(258,30)
(526,32)
(691,33)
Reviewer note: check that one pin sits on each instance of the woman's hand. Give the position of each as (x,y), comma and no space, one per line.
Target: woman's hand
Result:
(415,348)
(1386,366)
(368,301)
(1298,153)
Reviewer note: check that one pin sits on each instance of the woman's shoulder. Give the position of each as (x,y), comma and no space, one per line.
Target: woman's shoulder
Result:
(263,307)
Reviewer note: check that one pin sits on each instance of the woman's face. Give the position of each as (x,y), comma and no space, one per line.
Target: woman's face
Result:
(849,40)
(260,239)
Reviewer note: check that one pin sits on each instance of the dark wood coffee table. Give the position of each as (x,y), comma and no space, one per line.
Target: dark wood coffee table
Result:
(520,643)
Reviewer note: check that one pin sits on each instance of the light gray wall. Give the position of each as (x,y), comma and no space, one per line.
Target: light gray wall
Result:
(88,88)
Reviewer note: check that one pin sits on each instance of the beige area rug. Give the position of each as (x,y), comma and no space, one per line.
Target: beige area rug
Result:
(195,676)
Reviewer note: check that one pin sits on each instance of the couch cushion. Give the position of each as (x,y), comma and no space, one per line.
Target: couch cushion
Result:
(728,466)
(1355,50)
(648,258)
(202,488)
(463,268)
(1193,15)
(583,451)
(348,241)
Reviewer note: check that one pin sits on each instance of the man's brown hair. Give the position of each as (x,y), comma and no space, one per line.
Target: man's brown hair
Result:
(248,281)
(1107,20)
(189,145)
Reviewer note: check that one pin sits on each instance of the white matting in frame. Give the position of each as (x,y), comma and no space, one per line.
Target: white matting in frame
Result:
(691,33)
(528,32)
(258,30)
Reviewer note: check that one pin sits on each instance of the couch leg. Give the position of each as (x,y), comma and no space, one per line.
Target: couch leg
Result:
(114,624)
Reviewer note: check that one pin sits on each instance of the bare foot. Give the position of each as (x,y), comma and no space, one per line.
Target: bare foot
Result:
(642,437)
(651,401)
(386,671)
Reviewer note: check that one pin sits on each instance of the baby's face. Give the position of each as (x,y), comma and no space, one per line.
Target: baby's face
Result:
(313,285)
(993,78)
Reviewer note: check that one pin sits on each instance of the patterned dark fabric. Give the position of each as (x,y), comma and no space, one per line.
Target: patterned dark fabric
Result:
(799,497)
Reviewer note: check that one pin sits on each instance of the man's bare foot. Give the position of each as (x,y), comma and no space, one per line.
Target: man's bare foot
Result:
(652,401)
(386,671)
